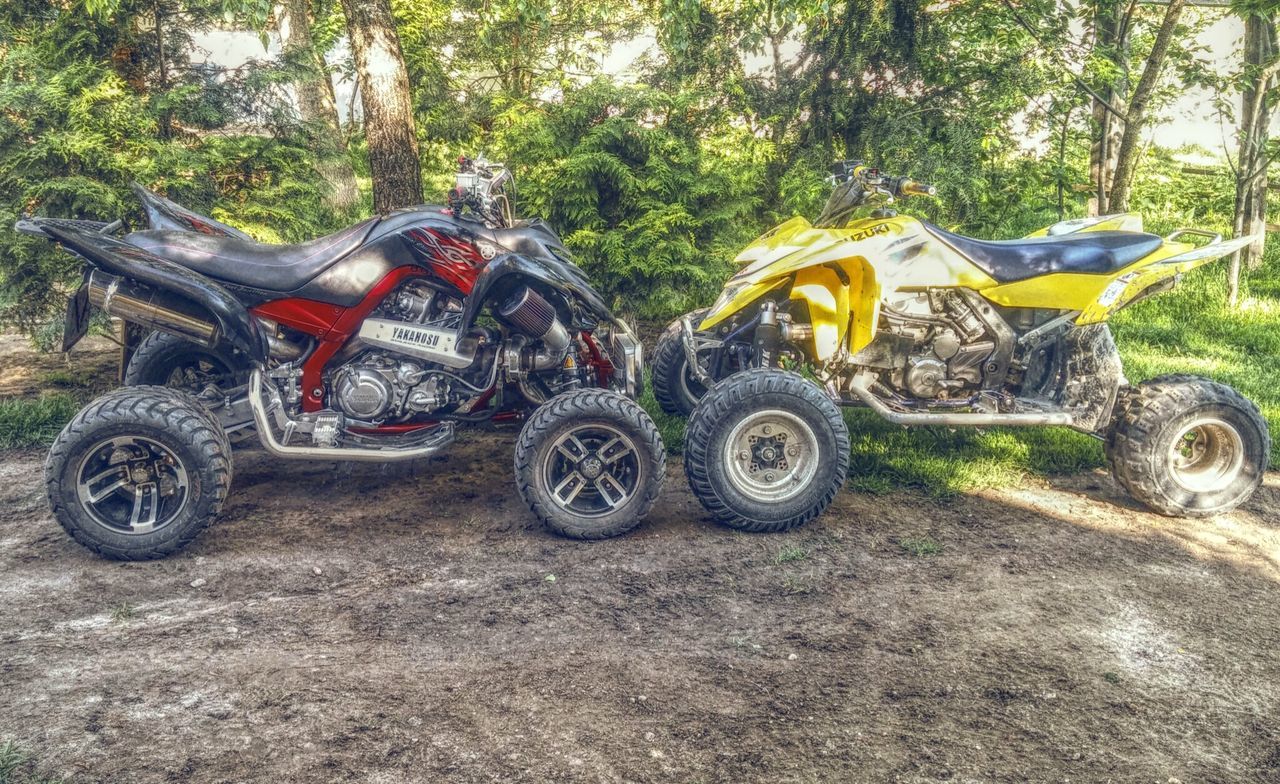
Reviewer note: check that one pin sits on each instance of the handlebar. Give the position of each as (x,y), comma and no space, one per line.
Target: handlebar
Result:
(875,180)
(909,187)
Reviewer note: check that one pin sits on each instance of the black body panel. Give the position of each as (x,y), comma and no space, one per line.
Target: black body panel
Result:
(279,268)
(117,257)
(342,268)
(165,214)
(506,272)
(1100,252)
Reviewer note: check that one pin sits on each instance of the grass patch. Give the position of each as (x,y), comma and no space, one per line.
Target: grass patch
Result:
(17,766)
(671,428)
(122,613)
(920,546)
(65,379)
(790,554)
(12,757)
(34,421)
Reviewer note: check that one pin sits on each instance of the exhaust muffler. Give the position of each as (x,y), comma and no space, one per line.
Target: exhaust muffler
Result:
(150,307)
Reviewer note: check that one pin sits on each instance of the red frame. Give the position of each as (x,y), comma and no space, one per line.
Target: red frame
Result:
(331,325)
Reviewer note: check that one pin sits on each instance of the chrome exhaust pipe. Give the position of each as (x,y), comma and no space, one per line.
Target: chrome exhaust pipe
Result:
(860,384)
(264,412)
(141,304)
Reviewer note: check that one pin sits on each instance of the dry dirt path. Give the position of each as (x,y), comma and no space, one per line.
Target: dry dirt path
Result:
(378,625)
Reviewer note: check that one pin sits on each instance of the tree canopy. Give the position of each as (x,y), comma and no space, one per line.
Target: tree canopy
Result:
(1021,111)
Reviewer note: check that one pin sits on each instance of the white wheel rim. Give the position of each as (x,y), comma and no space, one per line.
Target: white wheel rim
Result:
(1207,455)
(771,456)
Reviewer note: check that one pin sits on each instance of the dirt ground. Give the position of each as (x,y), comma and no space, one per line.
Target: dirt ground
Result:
(411,623)
(93,364)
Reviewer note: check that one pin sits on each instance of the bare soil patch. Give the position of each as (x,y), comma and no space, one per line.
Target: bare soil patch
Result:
(358,623)
(26,372)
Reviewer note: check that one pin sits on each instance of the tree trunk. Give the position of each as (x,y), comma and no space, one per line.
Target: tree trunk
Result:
(1251,168)
(1136,116)
(317,107)
(1111,36)
(388,109)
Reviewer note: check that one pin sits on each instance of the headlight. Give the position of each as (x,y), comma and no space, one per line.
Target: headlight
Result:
(732,290)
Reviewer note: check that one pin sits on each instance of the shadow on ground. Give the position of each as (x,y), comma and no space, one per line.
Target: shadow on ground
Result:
(411,624)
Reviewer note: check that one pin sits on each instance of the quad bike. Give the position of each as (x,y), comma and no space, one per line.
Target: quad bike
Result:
(371,344)
(926,327)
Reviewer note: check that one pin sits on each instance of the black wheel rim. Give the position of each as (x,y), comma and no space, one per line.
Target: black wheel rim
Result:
(592,470)
(132,485)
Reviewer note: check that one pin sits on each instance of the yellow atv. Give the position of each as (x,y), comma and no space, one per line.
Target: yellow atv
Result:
(926,327)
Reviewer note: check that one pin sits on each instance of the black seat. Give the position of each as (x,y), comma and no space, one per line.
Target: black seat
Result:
(252,264)
(1096,252)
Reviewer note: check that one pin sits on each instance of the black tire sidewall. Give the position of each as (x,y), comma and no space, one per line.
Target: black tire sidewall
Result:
(798,397)
(160,353)
(670,369)
(585,408)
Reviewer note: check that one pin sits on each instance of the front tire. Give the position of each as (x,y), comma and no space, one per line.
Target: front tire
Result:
(766,450)
(675,388)
(1188,447)
(138,473)
(589,463)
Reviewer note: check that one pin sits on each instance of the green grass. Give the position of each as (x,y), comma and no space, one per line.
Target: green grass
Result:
(34,421)
(65,379)
(122,613)
(1188,330)
(920,546)
(17,766)
(670,427)
(790,554)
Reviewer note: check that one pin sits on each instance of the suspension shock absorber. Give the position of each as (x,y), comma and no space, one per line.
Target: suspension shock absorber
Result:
(768,337)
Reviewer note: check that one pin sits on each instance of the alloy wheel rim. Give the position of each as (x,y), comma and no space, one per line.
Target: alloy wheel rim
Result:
(592,470)
(1207,455)
(771,456)
(132,485)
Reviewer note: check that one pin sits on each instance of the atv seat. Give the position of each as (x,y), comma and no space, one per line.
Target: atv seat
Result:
(246,263)
(1095,252)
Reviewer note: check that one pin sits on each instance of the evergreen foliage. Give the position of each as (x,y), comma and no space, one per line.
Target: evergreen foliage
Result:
(654,178)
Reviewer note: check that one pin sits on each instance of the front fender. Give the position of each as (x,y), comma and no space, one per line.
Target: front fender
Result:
(736,297)
(508,270)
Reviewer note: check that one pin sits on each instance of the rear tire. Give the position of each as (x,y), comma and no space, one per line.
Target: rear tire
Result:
(590,464)
(766,450)
(674,387)
(139,473)
(1188,447)
(166,360)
